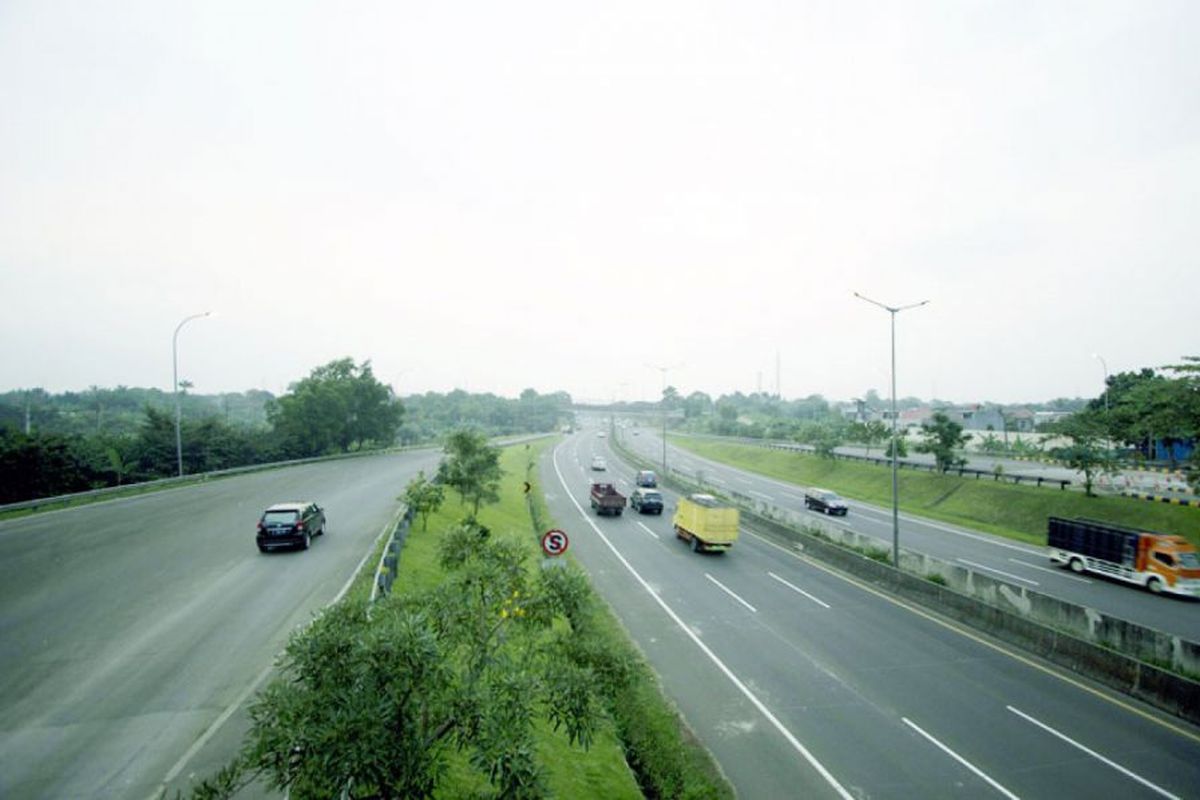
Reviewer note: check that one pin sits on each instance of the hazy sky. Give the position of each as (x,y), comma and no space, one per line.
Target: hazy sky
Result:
(555,195)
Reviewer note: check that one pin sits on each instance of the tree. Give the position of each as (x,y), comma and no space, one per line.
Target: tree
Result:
(423,497)
(1086,452)
(942,436)
(369,705)
(824,437)
(870,433)
(901,446)
(471,467)
(697,404)
(339,405)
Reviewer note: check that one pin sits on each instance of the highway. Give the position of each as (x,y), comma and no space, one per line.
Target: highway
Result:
(1016,562)
(131,631)
(804,683)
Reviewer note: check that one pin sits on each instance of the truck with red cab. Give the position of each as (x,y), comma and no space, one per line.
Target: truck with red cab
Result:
(606,499)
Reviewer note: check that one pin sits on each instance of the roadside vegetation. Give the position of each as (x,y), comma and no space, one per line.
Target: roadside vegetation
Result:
(1018,512)
(53,445)
(486,673)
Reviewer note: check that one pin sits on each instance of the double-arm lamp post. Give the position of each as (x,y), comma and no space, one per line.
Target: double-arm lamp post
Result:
(893,311)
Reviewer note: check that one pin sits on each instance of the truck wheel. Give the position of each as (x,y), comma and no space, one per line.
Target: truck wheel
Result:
(1076,565)
(1155,585)
(695,544)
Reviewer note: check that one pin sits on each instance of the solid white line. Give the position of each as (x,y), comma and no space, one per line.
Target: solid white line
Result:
(798,589)
(730,592)
(1094,754)
(741,687)
(997,571)
(647,530)
(961,760)
(1060,573)
(241,698)
(763,496)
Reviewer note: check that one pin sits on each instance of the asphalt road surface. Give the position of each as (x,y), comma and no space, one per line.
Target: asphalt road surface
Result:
(131,631)
(1018,563)
(805,683)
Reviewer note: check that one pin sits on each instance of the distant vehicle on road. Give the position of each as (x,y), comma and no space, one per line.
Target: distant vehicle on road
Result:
(646,477)
(599,464)
(646,500)
(826,502)
(1160,563)
(706,522)
(606,499)
(290,525)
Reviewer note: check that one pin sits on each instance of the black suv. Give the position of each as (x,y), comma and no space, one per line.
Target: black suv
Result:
(825,501)
(290,525)
(646,500)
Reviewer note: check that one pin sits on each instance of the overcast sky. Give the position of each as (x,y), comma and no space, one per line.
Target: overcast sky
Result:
(494,196)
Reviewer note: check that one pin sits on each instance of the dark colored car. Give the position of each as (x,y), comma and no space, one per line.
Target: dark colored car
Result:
(290,525)
(826,502)
(646,500)
(646,477)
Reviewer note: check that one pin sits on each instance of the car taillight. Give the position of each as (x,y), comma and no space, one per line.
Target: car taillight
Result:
(300,525)
(260,525)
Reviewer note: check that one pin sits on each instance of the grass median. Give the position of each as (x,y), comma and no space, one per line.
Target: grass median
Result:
(1013,511)
(644,749)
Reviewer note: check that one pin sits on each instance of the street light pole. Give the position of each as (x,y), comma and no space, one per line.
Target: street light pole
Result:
(175,385)
(663,405)
(893,311)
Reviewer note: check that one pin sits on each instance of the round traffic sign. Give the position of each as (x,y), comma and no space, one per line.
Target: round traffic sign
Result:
(554,542)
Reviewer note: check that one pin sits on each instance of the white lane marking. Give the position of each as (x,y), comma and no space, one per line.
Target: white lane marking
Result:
(997,571)
(730,592)
(241,698)
(961,760)
(647,530)
(1060,573)
(798,589)
(746,481)
(1094,754)
(741,687)
(794,496)
(717,481)
(766,497)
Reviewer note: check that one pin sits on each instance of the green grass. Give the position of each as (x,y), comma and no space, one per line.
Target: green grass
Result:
(1014,511)
(599,771)
(646,730)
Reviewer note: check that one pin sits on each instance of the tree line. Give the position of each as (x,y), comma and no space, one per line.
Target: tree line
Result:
(79,441)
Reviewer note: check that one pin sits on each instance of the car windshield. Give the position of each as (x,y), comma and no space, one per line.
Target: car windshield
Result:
(1189,560)
(279,517)
(652,496)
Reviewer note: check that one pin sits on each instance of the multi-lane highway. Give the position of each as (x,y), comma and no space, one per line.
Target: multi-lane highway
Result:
(804,683)
(1020,564)
(131,631)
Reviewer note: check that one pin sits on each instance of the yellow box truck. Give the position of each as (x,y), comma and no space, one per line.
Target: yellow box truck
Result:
(706,522)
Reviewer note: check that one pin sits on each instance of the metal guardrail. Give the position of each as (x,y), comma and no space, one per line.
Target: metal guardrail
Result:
(64,499)
(1038,480)
(389,559)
